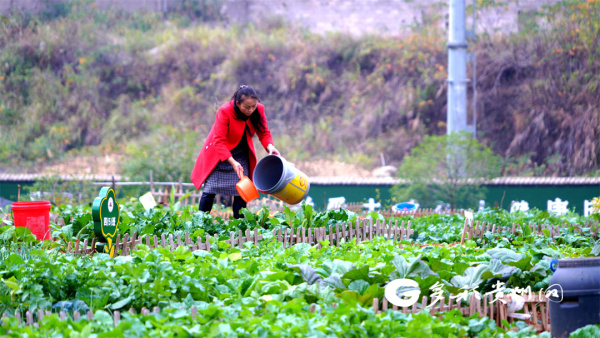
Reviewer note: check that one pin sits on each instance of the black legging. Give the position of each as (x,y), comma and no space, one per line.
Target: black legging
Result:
(207,200)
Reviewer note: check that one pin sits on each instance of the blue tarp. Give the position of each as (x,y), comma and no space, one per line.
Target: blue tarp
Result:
(5,203)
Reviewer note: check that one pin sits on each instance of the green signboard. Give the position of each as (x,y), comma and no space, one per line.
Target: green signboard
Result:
(105,212)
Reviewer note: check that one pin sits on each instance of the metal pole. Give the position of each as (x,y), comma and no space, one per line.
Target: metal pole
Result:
(457,68)
(473,127)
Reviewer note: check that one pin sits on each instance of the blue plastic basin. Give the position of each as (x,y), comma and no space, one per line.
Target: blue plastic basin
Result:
(405,206)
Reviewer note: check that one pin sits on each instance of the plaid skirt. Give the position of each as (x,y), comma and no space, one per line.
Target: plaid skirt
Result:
(223,178)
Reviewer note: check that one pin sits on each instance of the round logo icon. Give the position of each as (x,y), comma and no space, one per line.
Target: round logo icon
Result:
(302,182)
(412,294)
(554,293)
(111,204)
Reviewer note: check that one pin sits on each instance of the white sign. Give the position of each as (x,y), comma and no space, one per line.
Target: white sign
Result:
(558,206)
(148,201)
(587,208)
(335,203)
(110,221)
(372,205)
(519,206)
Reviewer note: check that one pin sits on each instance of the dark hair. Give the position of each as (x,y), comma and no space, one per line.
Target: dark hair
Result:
(243,93)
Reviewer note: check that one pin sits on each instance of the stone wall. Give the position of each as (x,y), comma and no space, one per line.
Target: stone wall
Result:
(129,5)
(376,16)
(350,16)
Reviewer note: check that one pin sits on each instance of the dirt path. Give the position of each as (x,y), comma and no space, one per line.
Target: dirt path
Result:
(109,165)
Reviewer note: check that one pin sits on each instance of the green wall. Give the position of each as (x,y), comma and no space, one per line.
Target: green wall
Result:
(536,196)
(353,193)
(10,190)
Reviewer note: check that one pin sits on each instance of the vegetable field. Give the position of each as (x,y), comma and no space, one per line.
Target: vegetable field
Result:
(292,273)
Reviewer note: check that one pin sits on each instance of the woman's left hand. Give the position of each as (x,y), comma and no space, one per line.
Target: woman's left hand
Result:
(272,150)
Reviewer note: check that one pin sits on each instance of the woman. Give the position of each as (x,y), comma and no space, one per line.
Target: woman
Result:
(228,151)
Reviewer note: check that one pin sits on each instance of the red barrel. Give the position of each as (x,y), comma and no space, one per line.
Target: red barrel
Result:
(34,215)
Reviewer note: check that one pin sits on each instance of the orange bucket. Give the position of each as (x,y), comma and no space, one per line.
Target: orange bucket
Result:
(246,189)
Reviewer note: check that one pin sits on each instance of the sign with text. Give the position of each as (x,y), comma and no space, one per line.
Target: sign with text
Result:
(410,292)
(105,212)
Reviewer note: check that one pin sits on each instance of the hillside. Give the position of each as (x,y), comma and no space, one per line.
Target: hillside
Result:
(110,165)
(145,88)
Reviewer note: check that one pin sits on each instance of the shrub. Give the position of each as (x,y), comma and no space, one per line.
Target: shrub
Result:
(170,155)
(447,168)
(90,77)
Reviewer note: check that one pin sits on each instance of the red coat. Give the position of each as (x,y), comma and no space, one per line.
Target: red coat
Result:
(224,135)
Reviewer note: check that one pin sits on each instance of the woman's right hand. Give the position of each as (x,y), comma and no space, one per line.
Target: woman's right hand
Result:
(237,167)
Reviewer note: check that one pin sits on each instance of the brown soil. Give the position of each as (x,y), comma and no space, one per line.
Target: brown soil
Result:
(107,164)
(331,168)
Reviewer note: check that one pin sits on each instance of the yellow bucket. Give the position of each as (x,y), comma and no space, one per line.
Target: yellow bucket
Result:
(275,176)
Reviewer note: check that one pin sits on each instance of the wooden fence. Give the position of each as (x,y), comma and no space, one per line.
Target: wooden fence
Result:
(361,230)
(32,319)
(478,229)
(358,207)
(5,217)
(162,194)
(437,305)
(421,212)
(535,310)
(186,194)
(289,237)
(335,236)
(123,246)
